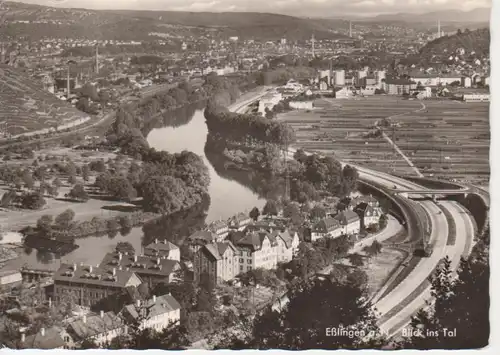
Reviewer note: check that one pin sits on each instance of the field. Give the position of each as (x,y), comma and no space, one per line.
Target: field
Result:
(378,266)
(447,139)
(27,108)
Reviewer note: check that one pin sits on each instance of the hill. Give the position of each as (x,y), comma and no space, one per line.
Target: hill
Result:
(37,21)
(477,41)
(476,15)
(26,108)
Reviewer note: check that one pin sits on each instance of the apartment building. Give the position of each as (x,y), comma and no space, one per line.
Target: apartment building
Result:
(86,285)
(157,313)
(393,86)
(349,221)
(163,248)
(287,245)
(98,328)
(367,215)
(151,269)
(220,228)
(326,228)
(217,260)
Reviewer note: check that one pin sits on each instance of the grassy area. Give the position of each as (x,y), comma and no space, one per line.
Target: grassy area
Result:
(379,265)
(452,227)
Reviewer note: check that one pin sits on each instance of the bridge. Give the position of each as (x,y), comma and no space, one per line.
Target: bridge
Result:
(432,192)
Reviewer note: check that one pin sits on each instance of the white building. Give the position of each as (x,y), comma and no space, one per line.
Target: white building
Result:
(349,221)
(157,313)
(339,78)
(326,228)
(343,93)
(379,76)
(269,101)
(369,90)
(476,97)
(287,245)
(10,278)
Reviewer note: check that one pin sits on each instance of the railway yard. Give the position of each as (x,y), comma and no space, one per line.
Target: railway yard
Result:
(443,138)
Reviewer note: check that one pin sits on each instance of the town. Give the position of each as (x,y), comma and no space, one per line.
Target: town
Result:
(198,182)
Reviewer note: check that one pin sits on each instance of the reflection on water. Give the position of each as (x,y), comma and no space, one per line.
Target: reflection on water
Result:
(228,194)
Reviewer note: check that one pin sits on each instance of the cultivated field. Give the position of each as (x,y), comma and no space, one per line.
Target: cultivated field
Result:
(25,107)
(442,138)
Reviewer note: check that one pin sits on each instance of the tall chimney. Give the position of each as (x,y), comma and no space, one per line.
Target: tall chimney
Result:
(42,332)
(97,58)
(102,314)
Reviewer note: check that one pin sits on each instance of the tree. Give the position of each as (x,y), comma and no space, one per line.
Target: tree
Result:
(125,247)
(318,212)
(254,214)
(44,223)
(78,193)
(32,200)
(305,321)
(72,179)
(28,180)
(382,221)
(356,259)
(85,172)
(65,220)
(271,208)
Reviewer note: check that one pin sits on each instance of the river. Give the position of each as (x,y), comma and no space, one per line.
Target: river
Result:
(181,130)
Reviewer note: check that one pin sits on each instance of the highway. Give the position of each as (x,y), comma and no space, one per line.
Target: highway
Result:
(400,304)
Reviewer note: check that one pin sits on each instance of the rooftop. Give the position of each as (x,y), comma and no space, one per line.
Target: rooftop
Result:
(153,307)
(97,276)
(139,264)
(89,326)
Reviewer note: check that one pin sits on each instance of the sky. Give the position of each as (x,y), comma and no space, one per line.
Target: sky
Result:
(324,8)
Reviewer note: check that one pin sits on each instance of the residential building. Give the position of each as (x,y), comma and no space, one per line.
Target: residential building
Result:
(87,285)
(367,215)
(257,249)
(45,339)
(369,199)
(157,313)
(326,228)
(268,101)
(220,228)
(268,225)
(287,245)
(349,221)
(151,269)
(393,86)
(239,221)
(202,237)
(99,329)
(163,248)
(379,78)
(218,260)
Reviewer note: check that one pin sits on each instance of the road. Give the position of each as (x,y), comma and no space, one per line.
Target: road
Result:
(393,227)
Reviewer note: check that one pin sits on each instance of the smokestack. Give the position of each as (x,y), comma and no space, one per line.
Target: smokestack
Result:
(42,332)
(97,58)
(350,28)
(67,84)
(439,28)
(102,314)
